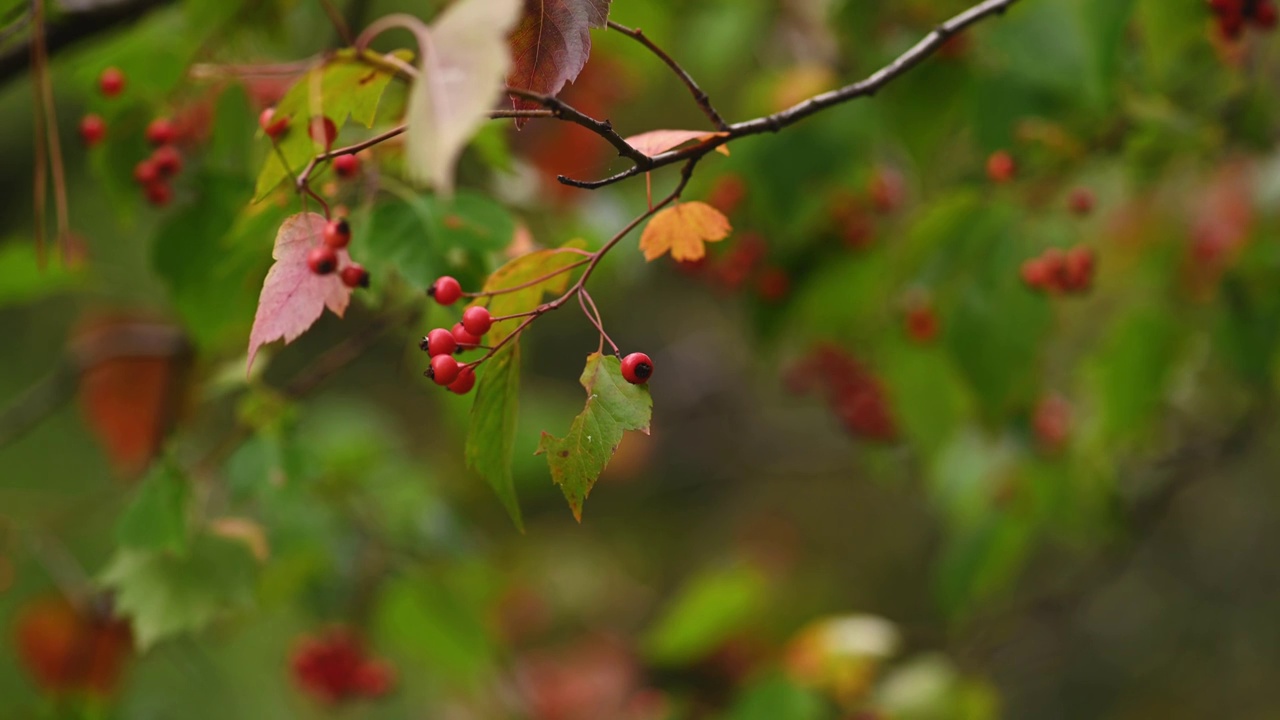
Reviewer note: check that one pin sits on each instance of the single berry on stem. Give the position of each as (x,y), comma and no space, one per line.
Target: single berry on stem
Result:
(337,233)
(92,129)
(464,382)
(637,368)
(347,166)
(272,126)
(146,172)
(446,290)
(322,260)
(1001,167)
(161,132)
(158,193)
(111,82)
(355,276)
(477,320)
(440,342)
(444,370)
(167,160)
(464,339)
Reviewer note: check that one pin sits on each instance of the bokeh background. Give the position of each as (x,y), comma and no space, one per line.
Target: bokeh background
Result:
(886,478)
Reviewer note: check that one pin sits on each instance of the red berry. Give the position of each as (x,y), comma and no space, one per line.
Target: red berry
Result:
(477,320)
(446,290)
(161,132)
(637,368)
(322,260)
(346,166)
(272,126)
(92,129)
(1001,167)
(337,234)
(463,338)
(773,284)
(1035,273)
(167,160)
(1077,268)
(444,370)
(1264,14)
(1231,25)
(1223,7)
(374,679)
(1081,201)
(439,342)
(464,382)
(111,82)
(146,172)
(1055,263)
(323,131)
(887,189)
(158,193)
(1052,421)
(355,276)
(922,324)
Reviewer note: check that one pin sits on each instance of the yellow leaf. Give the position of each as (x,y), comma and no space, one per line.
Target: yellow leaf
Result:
(683,230)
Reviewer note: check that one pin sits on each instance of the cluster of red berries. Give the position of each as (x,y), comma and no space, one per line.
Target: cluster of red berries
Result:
(72,649)
(741,265)
(441,344)
(1057,271)
(153,173)
(853,213)
(1233,15)
(92,127)
(335,667)
(856,396)
(323,259)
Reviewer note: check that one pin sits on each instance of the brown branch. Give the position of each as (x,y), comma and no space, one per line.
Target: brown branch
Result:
(700,97)
(775,122)
(563,111)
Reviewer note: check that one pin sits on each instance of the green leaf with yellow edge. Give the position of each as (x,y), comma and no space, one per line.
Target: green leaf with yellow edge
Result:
(491,436)
(613,407)
(347,84)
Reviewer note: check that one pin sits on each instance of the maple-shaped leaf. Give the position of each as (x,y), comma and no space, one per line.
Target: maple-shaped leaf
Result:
(492,434)
(656,142)
(613,406)
(293,297)
(684,230)
(460,76)
(551,45)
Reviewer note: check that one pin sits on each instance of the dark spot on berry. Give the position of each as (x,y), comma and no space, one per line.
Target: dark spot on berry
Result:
(422,344)
(429,373)
(644,370)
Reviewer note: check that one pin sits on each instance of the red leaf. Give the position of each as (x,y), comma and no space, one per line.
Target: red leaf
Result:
(551,44)
(293,297)
(656,142)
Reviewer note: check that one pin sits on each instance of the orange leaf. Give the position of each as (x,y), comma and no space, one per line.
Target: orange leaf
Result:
(656,142)
(683,230)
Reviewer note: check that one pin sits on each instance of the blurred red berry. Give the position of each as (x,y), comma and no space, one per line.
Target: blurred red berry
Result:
(1081,201)
(773,284)
(167,161)
(1001,167)
(161,132)
(355,276)
(335,667)
(158,193)
(322,260)
(887,189)
(347,166)
(92,129)
(1077,268)
(70,649)
(337,233)
(922,323)
(272,126)
(146,172)
(727,193)
(1052,421)
(111,81)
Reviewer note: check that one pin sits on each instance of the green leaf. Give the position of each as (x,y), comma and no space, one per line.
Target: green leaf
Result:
(491,437)
(166,595)
(706,612)
(439,623)
(472,221)
(24,280)
(347,84)
(492,434)
(777,698)
(613,406)
(157,518)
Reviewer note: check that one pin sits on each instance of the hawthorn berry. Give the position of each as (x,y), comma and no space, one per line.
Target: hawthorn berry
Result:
(1052,421)
(446,290)
(444,369)
(1055,263)
(439,342)
(1001,167)
(322,260)
(1264,14)
(336,667)
(922,324)
(337,233)
(773,284)
(1035,273)
(355,276)
(464,382)
(158,193)
(272,126)
(146,172)
(637,368)
(167,160)
(111,81)
(347,166)
(1081,201)
(161,132)
(92,129)
(464,339)
(1077,268)
(323,131)
(477,320)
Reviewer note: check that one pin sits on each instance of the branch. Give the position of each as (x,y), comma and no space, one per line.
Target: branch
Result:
(700,97)
(76,27)
(563,111)
(773,123)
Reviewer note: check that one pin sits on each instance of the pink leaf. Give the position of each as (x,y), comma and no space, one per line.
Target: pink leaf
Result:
(293,297)
(656,142)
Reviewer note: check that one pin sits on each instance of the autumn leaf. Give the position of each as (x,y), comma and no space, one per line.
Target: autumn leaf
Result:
(491,436)
(656,142)
(293,297)
(684,230)
(461,74)
(613,406)
(551,45)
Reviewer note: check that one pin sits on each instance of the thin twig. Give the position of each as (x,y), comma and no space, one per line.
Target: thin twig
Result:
(339,23)
(585,299)
(531,283)
(700,97)
(775,122)
(603,128)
